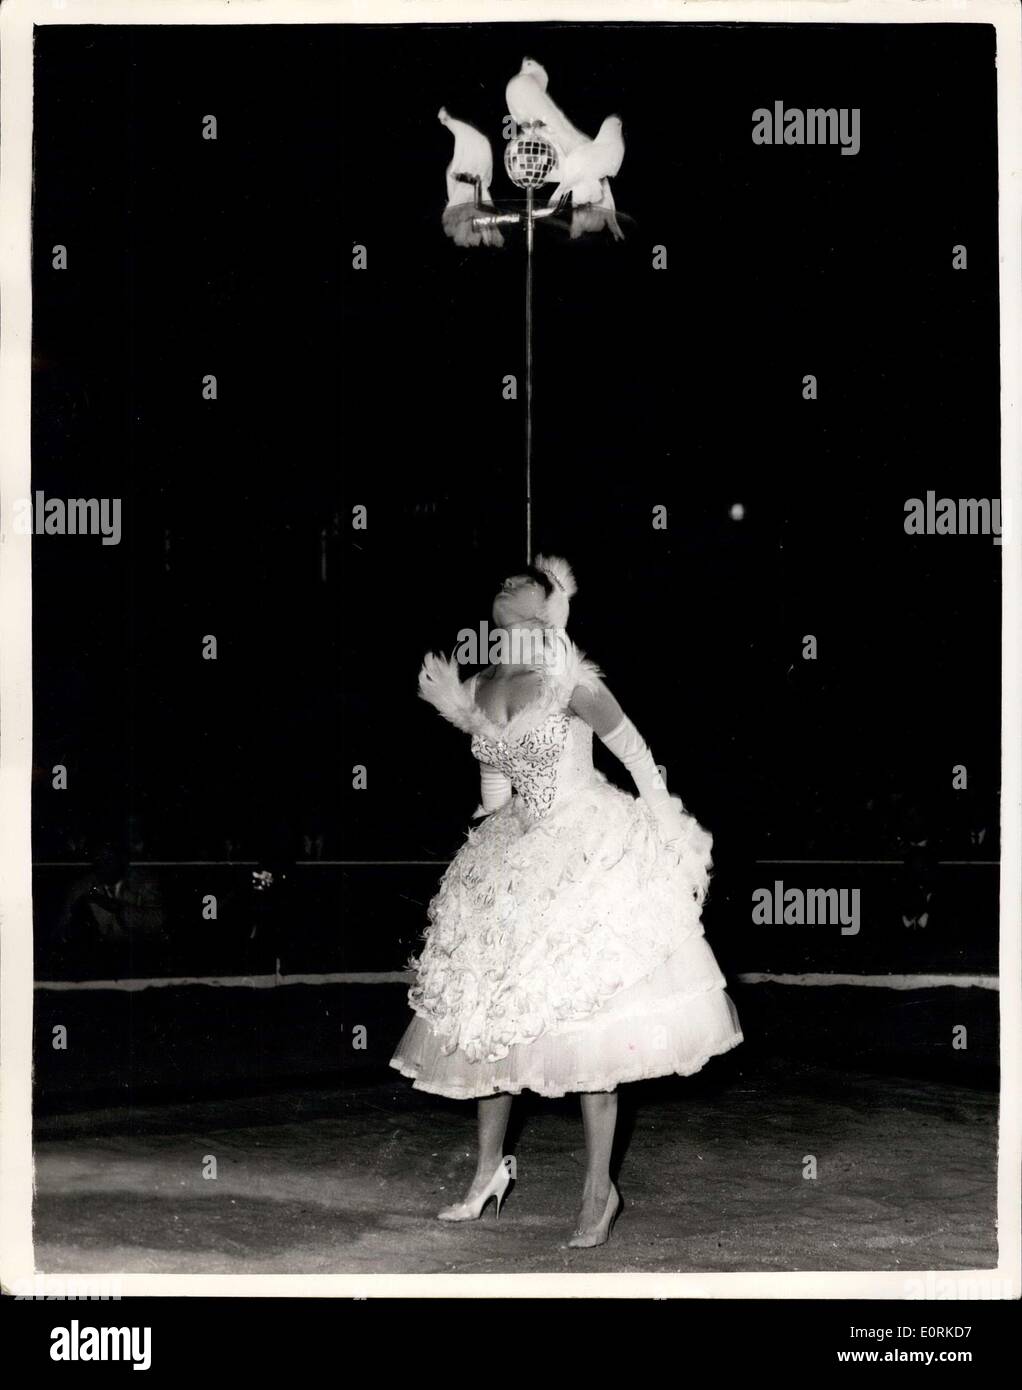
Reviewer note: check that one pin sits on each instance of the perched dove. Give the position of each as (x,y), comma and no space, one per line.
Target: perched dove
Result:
(470,166)
(593,217)
(527,101)
(583,171)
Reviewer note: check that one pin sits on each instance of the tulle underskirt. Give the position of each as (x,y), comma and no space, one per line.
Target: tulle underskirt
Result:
(670,1023)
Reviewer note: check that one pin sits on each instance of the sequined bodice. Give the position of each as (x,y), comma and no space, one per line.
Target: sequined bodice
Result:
(544,764)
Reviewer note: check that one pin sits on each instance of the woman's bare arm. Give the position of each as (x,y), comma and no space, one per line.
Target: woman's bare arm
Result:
(602,712)
(597,706)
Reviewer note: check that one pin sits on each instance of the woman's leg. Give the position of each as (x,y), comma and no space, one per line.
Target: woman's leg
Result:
(493,1113)
(599,1118)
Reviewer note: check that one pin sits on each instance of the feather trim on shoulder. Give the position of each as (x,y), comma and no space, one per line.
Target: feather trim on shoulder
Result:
(440,684)
(572,668)
(564,668)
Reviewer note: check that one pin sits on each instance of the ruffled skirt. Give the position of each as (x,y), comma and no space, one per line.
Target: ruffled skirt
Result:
(662,1026)
(567,954)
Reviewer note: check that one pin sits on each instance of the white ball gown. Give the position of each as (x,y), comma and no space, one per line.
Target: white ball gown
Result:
(565,948)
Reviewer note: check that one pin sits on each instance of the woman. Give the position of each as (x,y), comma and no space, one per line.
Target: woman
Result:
(565,950)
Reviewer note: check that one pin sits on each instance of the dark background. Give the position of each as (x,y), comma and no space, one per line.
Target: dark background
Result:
(382,388)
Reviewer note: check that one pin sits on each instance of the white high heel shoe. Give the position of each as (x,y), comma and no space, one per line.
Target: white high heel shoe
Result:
(600,1233)
(497,1187)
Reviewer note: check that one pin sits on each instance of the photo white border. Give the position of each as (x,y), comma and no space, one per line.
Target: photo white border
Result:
(17,17)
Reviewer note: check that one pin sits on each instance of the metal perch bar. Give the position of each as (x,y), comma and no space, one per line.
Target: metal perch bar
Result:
(508,219)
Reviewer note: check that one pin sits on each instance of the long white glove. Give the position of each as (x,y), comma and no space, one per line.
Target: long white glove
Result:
(495,790)
(626,743)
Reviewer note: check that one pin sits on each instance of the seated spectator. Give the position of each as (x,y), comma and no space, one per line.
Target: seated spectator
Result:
(116,907)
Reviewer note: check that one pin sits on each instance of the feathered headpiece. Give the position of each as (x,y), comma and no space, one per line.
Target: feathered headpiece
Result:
(558,571)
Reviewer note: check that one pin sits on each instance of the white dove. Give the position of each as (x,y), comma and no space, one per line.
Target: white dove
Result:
(593,217)
(582,170)
(527,101)
(471,163)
